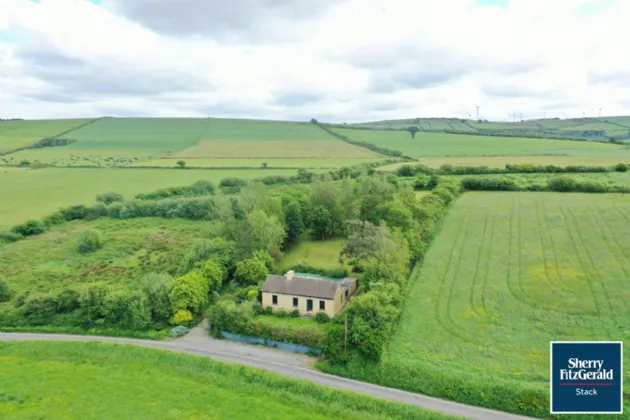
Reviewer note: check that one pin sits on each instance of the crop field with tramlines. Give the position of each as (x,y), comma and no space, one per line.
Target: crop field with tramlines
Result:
(428,144)
(16,134)
(510,272)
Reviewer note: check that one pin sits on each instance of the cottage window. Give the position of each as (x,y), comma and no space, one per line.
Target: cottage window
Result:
(322,305)
(346,293)
(295,302)
(274,299)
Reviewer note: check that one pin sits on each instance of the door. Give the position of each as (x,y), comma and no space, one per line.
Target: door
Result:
(309,305)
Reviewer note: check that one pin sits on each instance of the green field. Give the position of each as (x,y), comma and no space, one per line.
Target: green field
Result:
(611,179)
(319,254)
(105,381)
(510,272)
(293,163)
(36,193)
(443,145)
(67,156)
(15,134)
(49,262)
(239,129)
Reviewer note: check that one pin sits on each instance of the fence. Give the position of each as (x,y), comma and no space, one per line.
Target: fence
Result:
(271,343)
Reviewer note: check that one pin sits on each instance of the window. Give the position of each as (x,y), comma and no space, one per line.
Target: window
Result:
(346,293)
(322,305)
(274,299)
(295,302)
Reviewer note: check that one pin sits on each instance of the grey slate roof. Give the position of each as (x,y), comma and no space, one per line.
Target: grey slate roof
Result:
(304,286)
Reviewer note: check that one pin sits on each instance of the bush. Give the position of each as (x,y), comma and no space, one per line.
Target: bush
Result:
(189,293)
(252,295)
(214,275)
(156,286)
(257,308)
(281,313)
(405,170)
(40,307)
(29,228)
(68,301)
(181,317)
(420,182)
(127,310)
(88,241)
(74,212)
(562,184)
(337,272)
(309,336)
(5,290)
(250,271)
(178,331)
(109,197)
(621,167)
(8,237)
(322,317)
(295,313)
(269,310)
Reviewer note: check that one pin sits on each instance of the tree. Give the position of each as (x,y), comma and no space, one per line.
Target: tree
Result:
(264,165)
(214,275)
(413,130)
(189,293)
(321,221)
(294,222)
(250,271)
(181,164)
(260,231)
(326,194)
(365,239)
(155,286)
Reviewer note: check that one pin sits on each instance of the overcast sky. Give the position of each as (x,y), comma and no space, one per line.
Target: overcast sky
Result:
(335,60)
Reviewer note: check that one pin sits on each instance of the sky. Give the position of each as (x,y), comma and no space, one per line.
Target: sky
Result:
(334,60)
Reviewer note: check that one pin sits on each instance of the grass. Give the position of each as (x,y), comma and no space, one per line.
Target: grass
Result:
(621,179)
(66,156)
(275,148)
(293,163)
(508,273)
(444,145)
(136,134)
(501,161)
(290,321)
(15,134)
(318,254)
(240,129)
(110,381)
(132,248)
(36,193)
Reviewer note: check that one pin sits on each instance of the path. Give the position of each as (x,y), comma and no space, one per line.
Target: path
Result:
(298,366)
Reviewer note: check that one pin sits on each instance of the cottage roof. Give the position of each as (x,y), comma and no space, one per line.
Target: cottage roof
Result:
(305,286)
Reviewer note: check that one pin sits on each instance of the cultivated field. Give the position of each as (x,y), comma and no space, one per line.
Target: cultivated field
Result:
(293,163)
(501,161)
(510,272)
(239,129)
(36,193)
(110,381)
(15,134)
(444,145)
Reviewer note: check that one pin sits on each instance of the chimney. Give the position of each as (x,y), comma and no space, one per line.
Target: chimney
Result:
(289,274)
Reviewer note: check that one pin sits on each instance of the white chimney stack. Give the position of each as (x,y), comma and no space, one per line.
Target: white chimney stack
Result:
(289,274)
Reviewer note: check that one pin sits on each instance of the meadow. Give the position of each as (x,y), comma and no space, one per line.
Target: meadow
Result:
(110,381)
(611,179)
(427,144)
(242,129)
(36,193)
(16,134)
(508,273)
(293,163)
(319,254)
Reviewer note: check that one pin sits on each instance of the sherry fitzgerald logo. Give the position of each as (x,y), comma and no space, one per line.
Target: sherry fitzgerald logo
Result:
(586,377)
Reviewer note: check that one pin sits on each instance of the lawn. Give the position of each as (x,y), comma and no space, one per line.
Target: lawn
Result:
(105,381)
(332,148)
(508,273)
(241,129)
(318,254)
(290,321)
(293,163)
(36,193)
(501,161)
(15,134)
(443,145)
(136,134)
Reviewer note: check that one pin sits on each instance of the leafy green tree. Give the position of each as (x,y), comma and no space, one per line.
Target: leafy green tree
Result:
(250,271)
(265,257)
(214,274)
(365,239)
(326,194)
(294,222)
(260,231)
(395,214)
(5,290)
(181,164)
(264,165)
(156,287)
(237,210)
(189,293)
(413,130)
(321,222)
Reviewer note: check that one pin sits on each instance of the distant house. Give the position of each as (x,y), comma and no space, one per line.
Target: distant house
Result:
(307,293)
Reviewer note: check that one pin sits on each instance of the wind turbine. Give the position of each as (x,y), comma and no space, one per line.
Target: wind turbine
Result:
(469,116)
(477,112)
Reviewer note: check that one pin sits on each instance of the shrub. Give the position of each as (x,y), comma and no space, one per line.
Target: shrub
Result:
(189,293)
(269,310)
(562,184)
(156,286)
(295,313)
(420,182)
(250,271)
(281,313)
(10,237)
(433,181)
(109,197)
(5,290)
(88,241)
(178,331)
(68,300)
(257,308)
(337,272)
(252,295)
(621,167)
(29,228)
(308,336)
(40,307)
(127,310)
(322,317)
(405,170)
(74,212)
(214,275)
(265,257)
(181,317)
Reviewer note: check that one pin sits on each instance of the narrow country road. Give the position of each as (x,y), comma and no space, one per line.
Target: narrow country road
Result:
(298,366)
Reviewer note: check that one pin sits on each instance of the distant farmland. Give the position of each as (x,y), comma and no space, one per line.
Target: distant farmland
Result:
(428,144)
(508,273)
(16,134)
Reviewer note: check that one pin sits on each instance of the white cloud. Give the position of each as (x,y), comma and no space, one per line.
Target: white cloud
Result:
(346,60)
